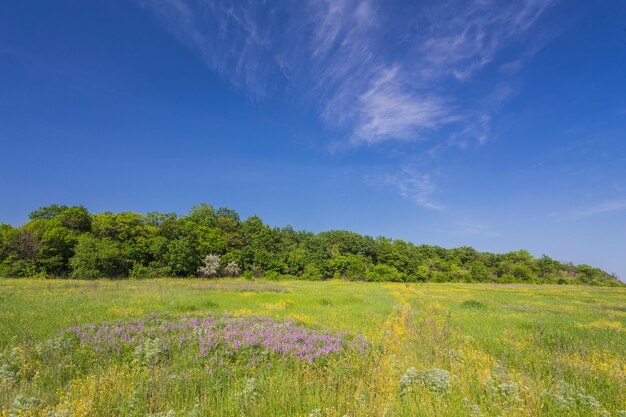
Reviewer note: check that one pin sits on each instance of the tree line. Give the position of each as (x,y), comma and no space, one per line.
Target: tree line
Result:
(62,241)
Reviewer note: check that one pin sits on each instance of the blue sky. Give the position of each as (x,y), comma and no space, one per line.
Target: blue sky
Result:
(500,125)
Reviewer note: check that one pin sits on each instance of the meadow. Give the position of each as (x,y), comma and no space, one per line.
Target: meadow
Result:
(176,347)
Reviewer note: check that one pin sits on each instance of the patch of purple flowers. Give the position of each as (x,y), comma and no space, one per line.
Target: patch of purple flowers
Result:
(215,336)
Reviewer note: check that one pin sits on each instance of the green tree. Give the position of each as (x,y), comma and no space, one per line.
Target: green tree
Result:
(21,252)
(547,266)
(98,258)
(350,266)
(63,240)
(57,247)
(522,272)
(75,218)
(183,257)
(382,272)
(479,272)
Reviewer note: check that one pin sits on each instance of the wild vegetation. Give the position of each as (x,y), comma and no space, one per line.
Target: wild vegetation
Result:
(61,241)
(234,347)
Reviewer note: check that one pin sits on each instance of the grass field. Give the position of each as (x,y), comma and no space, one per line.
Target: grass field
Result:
(426,349)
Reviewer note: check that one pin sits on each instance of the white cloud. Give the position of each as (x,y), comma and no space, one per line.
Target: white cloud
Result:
(375,74)
(415,186)
(603,207)
(388,109)
(465,36)
(354,59)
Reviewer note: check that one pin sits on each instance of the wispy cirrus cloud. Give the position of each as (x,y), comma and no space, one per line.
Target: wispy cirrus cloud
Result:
(372,71)
(603,207)
(411,184)
(467,36)
(388,110)
(376,71)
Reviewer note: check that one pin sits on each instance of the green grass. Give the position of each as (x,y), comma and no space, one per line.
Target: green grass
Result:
(477,350)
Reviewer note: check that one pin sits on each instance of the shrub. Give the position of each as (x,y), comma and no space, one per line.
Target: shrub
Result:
(272,275)
(568,396)
(139,271)
(312,273)
(10,367)
(232,269)
(210,266)
(22,405)
(249,394)
(257,271)
(408,381)
(500,386)
(149,352)
(436,380)
(382,272)
(473,304)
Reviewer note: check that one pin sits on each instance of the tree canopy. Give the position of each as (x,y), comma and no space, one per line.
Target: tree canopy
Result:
(62,241)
